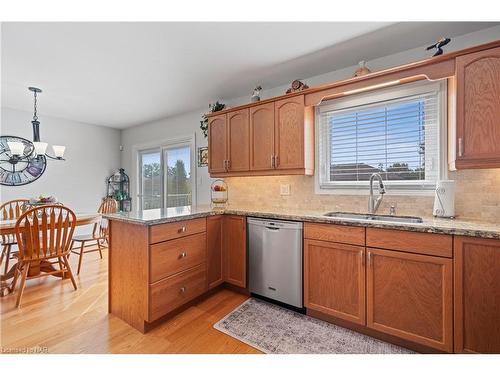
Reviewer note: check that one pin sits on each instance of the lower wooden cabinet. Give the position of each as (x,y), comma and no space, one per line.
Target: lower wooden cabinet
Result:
(410,296)
(235,249)
(174,291)
(477,295)
(215,259)
(334,279)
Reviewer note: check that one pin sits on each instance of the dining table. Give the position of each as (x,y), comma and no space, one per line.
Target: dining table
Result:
(7,228)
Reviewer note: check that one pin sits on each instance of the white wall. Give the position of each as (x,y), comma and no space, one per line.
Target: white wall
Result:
(189,123)
(92,154)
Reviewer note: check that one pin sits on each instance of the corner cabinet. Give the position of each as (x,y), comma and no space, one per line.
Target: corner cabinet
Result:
(478,109)
(272,138)
(234,237)
(477,295)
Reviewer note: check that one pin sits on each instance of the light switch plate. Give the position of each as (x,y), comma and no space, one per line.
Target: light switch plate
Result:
(285,189)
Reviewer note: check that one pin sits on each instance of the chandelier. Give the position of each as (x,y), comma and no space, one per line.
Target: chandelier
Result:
(23,161)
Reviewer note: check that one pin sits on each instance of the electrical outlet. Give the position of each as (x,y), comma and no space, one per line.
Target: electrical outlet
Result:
(285,189)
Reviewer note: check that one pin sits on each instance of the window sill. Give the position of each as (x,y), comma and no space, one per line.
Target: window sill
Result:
(427,191)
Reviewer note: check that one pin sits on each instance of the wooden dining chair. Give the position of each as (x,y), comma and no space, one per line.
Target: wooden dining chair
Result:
(10,210)
(44,234)
(99,233)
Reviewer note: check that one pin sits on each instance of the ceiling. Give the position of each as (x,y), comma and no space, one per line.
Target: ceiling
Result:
(124,74)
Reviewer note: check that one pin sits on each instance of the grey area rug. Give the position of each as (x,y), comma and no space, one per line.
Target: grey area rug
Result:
(276,330)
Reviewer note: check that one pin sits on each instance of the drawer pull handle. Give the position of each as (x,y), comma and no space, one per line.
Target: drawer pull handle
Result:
(183,254)
(183,289)
(182,230)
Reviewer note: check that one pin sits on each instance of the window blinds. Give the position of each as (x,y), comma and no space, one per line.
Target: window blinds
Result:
(396,138)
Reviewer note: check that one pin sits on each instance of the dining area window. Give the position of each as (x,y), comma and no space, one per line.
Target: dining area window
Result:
(166,177)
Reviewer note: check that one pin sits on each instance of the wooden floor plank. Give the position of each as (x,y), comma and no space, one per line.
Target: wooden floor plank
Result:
(56,317)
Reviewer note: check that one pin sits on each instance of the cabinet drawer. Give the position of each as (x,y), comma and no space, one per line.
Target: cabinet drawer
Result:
(335,233)
(170,257)
(168,294)
(164,232)
(420,243)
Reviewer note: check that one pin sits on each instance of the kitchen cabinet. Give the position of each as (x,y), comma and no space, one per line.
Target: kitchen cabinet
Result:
(262,137)
(477,295)
(289,133)
(235,249)
(334,279)
(478,109)
(217,144)
(238,141)
(215,259)
(273,138)
(410,296)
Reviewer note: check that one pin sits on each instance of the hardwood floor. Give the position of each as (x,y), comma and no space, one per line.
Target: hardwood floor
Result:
(55,317)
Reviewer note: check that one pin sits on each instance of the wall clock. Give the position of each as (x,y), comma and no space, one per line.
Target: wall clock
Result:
(19,170)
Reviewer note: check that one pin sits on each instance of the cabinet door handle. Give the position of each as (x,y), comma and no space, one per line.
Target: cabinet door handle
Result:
(181,230)
(276,161)
(369,254)
(228,164)
(460,147)
(183,254)
(362,255)
(183,289)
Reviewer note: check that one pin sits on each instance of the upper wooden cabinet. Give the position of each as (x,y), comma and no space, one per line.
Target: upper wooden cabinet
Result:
(268,139)
(289,133)
(262,137)
(477,295)
(478,109)
(238,141)
(217,144)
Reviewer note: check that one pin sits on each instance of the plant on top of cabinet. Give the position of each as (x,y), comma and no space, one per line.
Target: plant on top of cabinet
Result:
(204,121)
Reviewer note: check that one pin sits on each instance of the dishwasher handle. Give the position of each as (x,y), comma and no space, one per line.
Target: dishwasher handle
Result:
(273,228)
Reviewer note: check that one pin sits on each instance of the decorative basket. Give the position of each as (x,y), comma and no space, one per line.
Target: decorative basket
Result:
(218,194)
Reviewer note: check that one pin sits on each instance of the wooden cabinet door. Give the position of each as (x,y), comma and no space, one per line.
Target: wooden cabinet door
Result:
(410,296)
(238,137)
(477,295)
(478,109)
(215,268)
(217,144)
(334,279)
(261,137)
(289,133)
(235,250)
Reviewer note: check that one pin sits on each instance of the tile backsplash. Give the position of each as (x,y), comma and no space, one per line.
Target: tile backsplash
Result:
(477,196)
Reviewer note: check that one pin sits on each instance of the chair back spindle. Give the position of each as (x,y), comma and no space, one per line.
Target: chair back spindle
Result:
(108,206)
(45,232)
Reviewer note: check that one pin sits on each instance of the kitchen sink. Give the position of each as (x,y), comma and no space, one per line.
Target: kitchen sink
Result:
(371,217)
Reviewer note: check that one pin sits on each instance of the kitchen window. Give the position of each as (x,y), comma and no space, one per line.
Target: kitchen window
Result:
(397,132)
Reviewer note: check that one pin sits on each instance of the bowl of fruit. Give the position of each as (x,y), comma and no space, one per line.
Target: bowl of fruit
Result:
(219,192)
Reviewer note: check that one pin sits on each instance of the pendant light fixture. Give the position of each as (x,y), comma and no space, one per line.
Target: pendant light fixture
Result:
(23,161)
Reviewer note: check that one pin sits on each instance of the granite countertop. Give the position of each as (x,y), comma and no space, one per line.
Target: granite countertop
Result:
(429,225)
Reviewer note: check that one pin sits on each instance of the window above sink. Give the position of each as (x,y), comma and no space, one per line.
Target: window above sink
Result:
(398,132)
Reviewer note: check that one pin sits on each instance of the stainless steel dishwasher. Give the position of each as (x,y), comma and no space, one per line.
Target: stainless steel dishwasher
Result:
(275,260)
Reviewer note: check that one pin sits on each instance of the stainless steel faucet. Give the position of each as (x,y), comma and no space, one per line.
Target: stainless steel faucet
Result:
(373,203)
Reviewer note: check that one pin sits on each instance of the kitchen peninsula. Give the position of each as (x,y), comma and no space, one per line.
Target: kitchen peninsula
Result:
(164,259)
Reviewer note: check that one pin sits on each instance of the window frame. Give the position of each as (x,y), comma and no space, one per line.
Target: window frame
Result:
(161,146)
(410,187)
